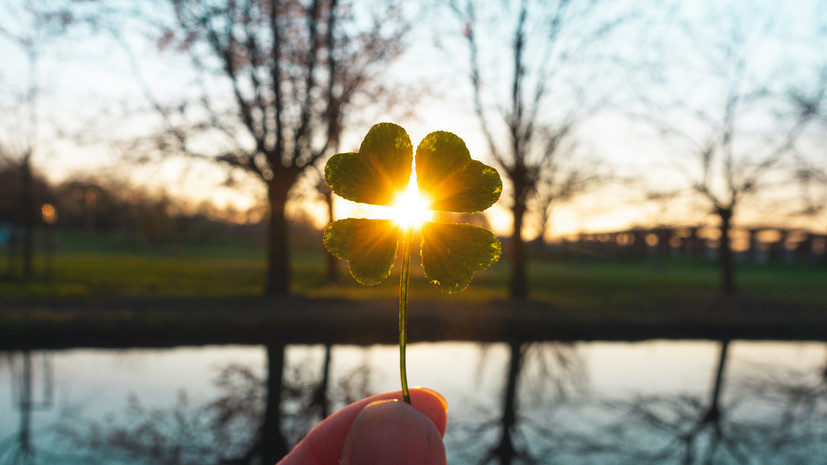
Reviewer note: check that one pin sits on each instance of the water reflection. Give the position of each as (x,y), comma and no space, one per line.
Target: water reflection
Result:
(547,375)
(529,403)
(677,428)
(253,419)
(771,416)
(31,391)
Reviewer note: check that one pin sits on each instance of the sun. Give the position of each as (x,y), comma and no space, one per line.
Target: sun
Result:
(411,208)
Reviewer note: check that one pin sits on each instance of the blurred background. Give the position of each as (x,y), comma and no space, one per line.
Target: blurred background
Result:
(165,295)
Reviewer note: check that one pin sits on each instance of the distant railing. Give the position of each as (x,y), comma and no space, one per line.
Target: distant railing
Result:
(755,245)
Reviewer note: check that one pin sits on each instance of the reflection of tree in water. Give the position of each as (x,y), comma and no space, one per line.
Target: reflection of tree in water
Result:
(25,373)
(545,375)
(253,420)
(768,418)
(678,429)
(796,429)
(768,415)
(309,399)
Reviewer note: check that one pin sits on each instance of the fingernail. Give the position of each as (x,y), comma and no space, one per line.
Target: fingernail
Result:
(393,432)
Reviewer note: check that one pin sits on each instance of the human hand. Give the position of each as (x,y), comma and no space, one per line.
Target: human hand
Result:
(381,429)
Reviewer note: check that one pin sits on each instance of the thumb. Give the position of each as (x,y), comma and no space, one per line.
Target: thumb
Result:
(393,433)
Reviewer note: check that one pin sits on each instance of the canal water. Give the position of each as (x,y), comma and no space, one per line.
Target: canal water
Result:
(658,402)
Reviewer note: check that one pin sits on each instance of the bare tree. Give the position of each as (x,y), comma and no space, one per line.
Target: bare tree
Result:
(21,160)
(292,69)
(529,121)
(726,118)
(30,28)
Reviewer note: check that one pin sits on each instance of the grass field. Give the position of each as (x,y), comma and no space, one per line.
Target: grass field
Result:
(88,265)
(104,291)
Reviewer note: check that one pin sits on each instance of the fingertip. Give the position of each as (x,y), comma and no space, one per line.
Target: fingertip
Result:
(391,431)
(433,405)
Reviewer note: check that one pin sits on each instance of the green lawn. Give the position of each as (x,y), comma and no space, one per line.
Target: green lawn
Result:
(86,266)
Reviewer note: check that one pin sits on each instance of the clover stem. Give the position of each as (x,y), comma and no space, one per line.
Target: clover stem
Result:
(403,311)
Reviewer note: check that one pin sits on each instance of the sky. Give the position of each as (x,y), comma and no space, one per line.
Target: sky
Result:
(88,82)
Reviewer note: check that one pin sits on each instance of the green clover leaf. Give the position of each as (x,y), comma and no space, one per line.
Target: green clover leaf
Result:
(369,246)
(451,253)
(446,174)
(379,172)
(454,181)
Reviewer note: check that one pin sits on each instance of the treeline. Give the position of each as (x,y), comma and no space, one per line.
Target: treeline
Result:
(104,204)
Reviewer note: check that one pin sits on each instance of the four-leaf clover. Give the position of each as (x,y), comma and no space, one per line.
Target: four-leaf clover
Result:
(447,177)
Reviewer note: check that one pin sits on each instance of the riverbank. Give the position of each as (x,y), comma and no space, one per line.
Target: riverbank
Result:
(114,322)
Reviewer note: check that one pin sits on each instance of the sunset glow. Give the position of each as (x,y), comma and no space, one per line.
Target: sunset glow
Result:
(411,208)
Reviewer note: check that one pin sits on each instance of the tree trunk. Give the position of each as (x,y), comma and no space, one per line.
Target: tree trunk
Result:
(278,246)
(273,445)
(726,258)
(332,263)
(519,283)
(28,218)
(90,198)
